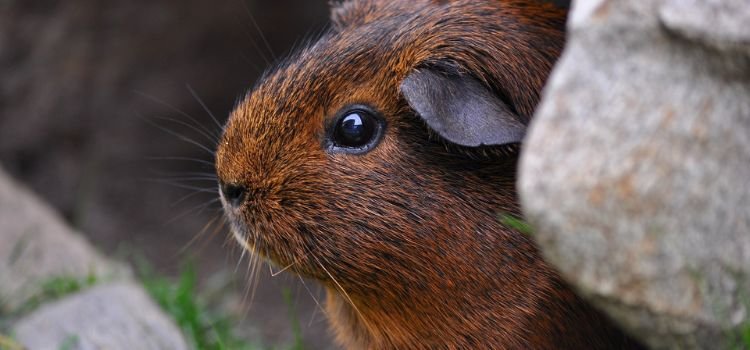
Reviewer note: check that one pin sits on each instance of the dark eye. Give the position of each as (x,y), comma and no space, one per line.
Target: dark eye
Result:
(356,131)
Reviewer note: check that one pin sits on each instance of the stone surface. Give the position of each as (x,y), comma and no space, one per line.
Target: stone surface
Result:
(721,24)
(113,317)
(636,170)
(36,246)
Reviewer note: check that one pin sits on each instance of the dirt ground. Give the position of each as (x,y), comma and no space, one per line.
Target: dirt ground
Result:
(96,103)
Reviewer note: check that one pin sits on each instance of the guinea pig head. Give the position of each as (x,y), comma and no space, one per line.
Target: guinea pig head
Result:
(377,159)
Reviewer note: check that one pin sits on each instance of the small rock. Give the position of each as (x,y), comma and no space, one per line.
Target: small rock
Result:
(36,245)
(114,317)
(636,170)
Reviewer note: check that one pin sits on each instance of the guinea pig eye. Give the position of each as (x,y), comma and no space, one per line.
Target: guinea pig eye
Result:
(356,131)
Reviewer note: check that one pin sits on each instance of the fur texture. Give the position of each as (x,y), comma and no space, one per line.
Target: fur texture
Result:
(407,237)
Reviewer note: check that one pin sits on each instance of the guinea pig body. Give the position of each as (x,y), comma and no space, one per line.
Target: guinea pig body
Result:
(378,161)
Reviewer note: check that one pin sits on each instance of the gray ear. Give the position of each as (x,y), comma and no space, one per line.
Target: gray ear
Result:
(461,110)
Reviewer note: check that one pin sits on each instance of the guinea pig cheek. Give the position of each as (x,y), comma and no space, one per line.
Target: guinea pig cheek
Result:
(354,184)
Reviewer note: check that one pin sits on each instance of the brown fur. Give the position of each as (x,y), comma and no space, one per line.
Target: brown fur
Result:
(406,237)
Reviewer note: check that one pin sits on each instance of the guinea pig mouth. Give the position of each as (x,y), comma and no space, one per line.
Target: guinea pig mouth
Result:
(247,235)
(248,239)
(239,232)
(276,250)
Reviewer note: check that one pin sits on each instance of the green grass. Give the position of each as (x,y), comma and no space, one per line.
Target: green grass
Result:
(49,290)
(55,288)
(296,328)
(745,327)
(8,343)
(516,223)
(69,343)
(740,339)
(203,328)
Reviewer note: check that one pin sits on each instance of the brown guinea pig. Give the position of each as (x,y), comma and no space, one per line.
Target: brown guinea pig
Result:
(378,161)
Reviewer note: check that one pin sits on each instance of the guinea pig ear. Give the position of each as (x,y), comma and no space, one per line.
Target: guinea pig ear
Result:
(462,110)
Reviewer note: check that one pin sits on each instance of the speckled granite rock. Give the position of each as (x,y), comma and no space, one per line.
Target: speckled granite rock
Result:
(114,317)
(36,246)
(636,170)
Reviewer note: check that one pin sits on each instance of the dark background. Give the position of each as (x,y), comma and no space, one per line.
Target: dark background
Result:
(94,93)
(82,82)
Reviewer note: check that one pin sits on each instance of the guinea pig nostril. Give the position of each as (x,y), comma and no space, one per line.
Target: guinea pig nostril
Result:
(234,194)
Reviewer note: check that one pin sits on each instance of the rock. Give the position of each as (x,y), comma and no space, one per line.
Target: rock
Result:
(636,170)
(117,316)
(36,246)
(721,24)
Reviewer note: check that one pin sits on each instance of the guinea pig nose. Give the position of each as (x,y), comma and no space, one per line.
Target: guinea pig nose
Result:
(233,193)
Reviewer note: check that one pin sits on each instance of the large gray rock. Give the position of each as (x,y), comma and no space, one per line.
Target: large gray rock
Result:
(37,246)
(636,170)
(113,317)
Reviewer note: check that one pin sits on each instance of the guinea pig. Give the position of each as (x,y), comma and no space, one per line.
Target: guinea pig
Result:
(378,160)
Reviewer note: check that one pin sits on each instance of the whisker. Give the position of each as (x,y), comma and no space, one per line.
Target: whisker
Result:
(184,198)
(244,244)
(187,159)
(239,262)
(205,108)
(182,186)
(173,174)
(178,111)
(260,32)
(247,60)
(257,48)
(253,266)
(213,233)
(346,295)
(197,210)
(195,238)
(250,37)
(192,178)
(317,303)
(274,274)
(252,276)
(311,35)
(179,136)
(211,138)
(256,277)
(294,262)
